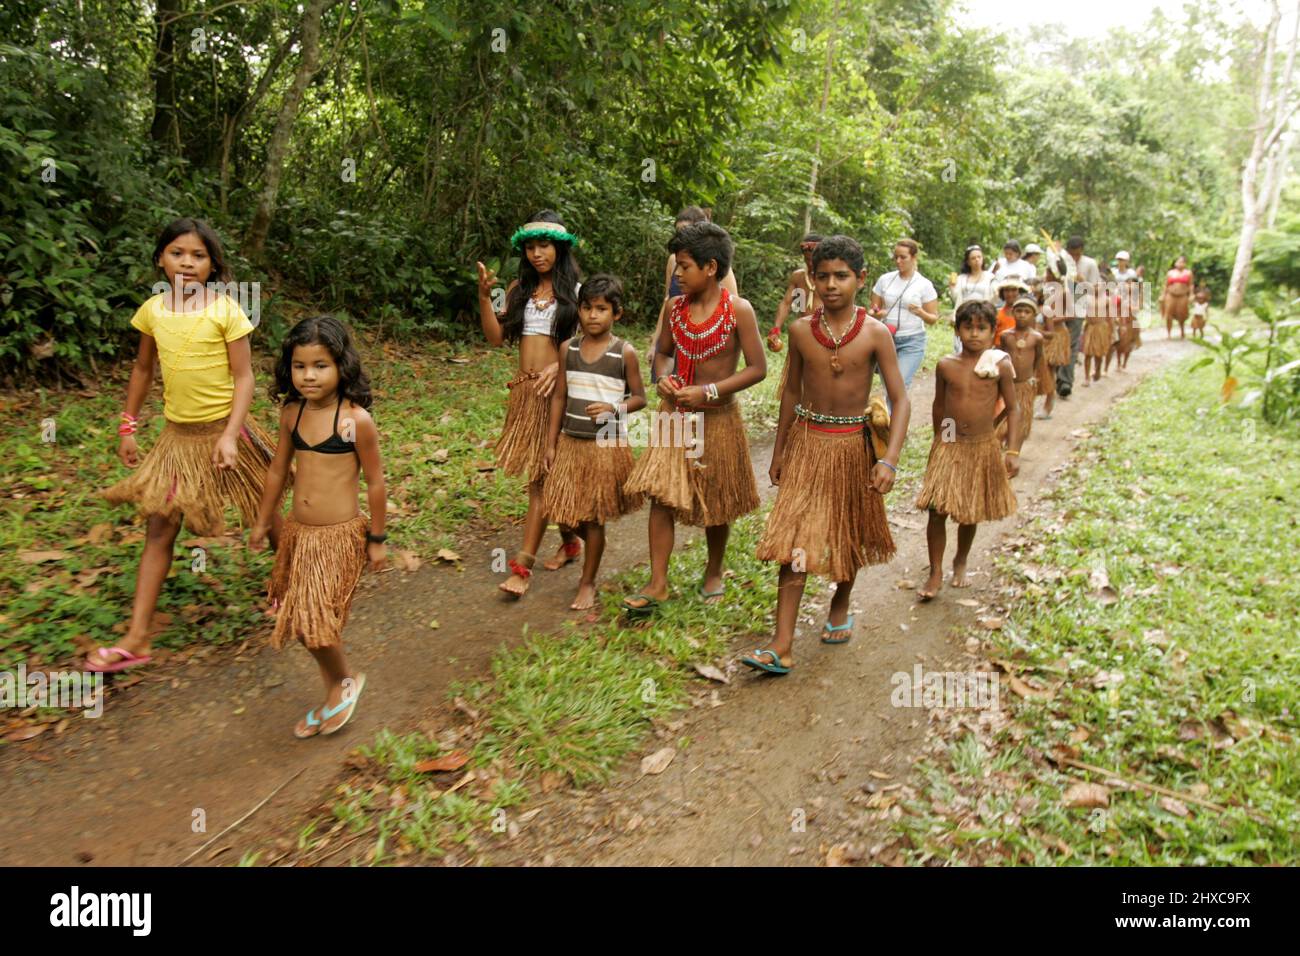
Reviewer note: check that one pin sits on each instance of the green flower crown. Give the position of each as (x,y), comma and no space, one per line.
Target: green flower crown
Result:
(542,230)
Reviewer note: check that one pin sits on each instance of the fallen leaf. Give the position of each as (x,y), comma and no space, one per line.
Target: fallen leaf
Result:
(1176,807)
(968,602)
(990,623)
(1078,735)
(40,557)
(408,560)
(440,455)
(712,673)
(447,762)
(658,761)
(1087,795)
(1023,689)
(27,733)
(99,533)
(446,554)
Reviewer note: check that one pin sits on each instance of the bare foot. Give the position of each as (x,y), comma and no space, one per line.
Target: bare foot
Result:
(586,598)
(516,585)
(932,586)
(568,551)
(958,579)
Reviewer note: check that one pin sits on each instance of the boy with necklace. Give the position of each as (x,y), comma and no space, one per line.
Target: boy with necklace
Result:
(706,481)
(829,516)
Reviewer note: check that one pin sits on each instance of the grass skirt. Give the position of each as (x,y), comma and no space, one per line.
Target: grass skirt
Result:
(715,488)
(521,449)
(826,507)
(967,480)
(176,478)
(317,568)
(1057,348)
(586,482)
(1026,395)
(1096,339)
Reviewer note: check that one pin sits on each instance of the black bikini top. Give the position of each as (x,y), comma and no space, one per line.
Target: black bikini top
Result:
(334,445)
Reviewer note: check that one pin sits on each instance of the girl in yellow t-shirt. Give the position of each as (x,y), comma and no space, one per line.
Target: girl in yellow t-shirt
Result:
(209,453)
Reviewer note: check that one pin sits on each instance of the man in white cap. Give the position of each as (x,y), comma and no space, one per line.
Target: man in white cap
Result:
(1123,272)
(1011,266)
(1032,253)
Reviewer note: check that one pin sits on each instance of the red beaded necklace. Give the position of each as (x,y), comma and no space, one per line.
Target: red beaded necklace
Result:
(695,343)
(821,331)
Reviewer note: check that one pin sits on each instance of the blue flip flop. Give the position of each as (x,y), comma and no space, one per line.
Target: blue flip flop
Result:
(706,595)
(775,667)
(832,628)
(311,722)
(349,700)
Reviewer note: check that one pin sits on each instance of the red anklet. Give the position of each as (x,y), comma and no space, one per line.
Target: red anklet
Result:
(519,569)
(572,548)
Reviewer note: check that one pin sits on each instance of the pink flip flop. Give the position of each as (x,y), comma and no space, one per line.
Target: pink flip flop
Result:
(128,660)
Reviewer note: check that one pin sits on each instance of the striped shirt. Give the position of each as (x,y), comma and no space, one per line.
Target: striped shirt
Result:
(604,380)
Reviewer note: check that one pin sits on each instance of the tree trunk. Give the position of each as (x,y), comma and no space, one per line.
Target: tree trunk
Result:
(165,125)
(278,147)
(1283,157)
(826,96)
(1250,171)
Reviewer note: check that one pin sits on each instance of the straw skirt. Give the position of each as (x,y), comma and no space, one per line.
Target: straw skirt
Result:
(1026,395)
(1096,339)
(521,449)
(586,482)
(1057,348)
(317,569)
(702,470)
(176,478)
(967,480)
(827,519)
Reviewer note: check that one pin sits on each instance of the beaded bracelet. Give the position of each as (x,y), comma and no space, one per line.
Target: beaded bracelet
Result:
(128,424)
(893,468)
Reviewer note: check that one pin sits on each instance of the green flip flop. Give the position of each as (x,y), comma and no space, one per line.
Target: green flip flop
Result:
(647,610)
(833,628)
(773,667)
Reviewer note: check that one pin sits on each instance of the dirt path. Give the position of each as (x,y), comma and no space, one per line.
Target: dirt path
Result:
(773,753)
(213,734)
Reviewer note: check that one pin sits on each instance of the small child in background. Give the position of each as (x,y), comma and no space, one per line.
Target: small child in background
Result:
(587,455)
(327,541)
(1096,345)
(1024,344)
(967,475)
(1200,310)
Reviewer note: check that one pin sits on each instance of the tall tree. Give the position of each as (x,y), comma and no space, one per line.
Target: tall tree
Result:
(1274,108)
(308,63)
(166,124)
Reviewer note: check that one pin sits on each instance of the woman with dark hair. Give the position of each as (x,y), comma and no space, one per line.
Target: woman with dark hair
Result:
(906,302)
(687,217)
(1174,299)
(973,282)
(541,312)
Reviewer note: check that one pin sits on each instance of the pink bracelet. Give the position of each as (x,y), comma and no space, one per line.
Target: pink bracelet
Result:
(128,425)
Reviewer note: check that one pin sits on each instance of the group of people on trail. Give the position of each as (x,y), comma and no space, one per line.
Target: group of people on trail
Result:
(566,430)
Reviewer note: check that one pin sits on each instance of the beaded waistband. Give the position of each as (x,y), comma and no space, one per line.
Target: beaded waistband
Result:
(820,419)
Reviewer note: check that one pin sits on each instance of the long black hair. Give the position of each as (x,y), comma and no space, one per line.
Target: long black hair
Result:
(965,258)
(180,227)
(565,276)
(354,383)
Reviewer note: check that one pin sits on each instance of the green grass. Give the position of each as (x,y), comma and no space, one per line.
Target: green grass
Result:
(1189,508)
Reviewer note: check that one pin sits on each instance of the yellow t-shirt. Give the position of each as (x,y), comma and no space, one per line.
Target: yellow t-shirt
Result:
(197,384)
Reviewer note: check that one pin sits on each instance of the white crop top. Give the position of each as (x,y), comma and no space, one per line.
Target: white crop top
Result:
(542,321)
(539,321)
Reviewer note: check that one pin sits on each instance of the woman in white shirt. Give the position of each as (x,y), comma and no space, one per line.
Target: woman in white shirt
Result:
(973,282)
(906,302)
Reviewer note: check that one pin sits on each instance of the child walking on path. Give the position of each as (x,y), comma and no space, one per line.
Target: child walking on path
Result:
(210,453)
(1096,346)
(541,311)
(1200,311)
(966,477)
(327,541)
(1024,344)
(701,474)
(829,516)
(587,455)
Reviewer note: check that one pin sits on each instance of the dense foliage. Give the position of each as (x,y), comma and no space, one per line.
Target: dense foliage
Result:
(431,130)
